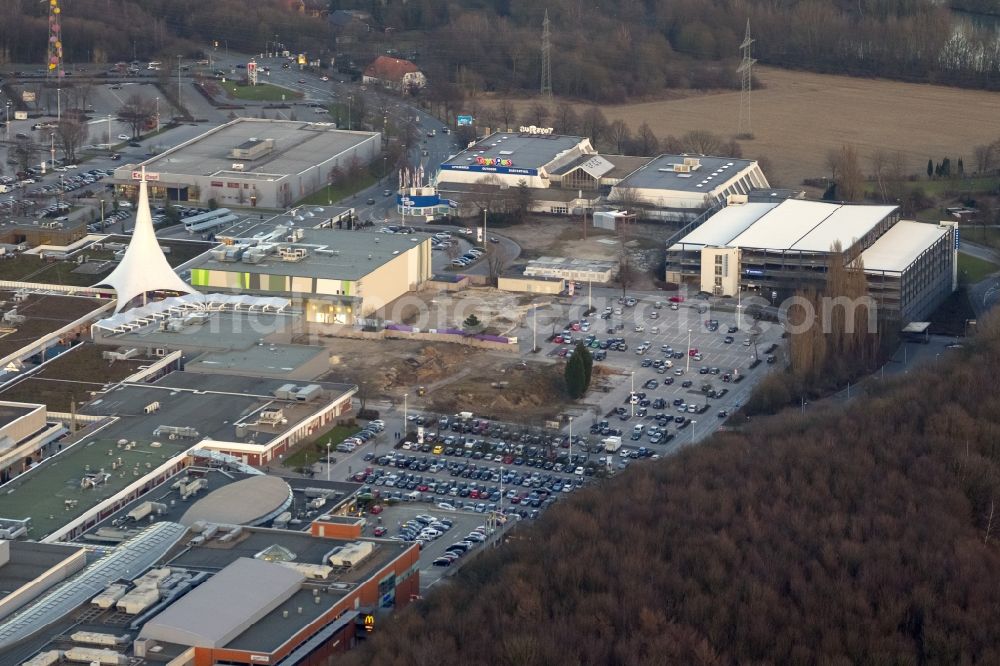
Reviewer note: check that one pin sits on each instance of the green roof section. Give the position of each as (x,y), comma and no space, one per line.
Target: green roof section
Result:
(53,493)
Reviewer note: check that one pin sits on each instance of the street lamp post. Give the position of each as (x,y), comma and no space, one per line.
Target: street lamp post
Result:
(687,366)
(58,105)
(405,395)
(693,424)
(534,328)
(327,460)
(571,440)
(179,80)
(631,396)
(157,114)
(7,125)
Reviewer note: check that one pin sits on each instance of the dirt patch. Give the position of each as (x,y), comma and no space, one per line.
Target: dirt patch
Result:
(799,116)
(454,377)
(561,237)
(520,393)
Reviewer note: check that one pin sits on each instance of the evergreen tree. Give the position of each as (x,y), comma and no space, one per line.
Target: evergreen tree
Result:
(471,321)
(961,167)
(576,376)
(588,361)
(930,168)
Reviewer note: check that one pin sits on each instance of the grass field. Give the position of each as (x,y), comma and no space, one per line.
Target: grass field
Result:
(311,452)
(262,92)
(972,269)
(799,116)
(334,193)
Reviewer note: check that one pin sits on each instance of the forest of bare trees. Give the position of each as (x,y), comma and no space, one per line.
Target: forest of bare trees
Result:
(613,50)
(854,535)
(107,31)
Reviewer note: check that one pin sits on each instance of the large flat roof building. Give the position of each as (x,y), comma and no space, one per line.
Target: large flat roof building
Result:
(676,185)
(142,432)
(559,170)
(251,162)
(336,275)
(514,156)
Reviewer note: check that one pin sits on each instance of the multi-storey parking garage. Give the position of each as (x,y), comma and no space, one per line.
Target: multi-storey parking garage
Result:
(779,248)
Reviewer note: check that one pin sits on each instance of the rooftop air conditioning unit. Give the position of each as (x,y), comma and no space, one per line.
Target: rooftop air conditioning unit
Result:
(238,166)
(682,168)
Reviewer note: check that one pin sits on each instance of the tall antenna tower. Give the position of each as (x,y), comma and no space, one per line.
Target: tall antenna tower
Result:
(546,58)
(746,77)
(54,54)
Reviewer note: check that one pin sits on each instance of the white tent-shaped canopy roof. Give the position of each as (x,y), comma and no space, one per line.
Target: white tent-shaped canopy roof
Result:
(143,268)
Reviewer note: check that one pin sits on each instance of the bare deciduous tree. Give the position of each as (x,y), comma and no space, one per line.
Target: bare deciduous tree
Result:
(646,142)
(506,114)
(566,119)
(851,180)
(25,152)
(619,135)
(71,134)
(594,125)
(136,111)
(539,114)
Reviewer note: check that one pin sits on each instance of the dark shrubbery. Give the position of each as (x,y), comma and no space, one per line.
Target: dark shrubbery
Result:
(858,535)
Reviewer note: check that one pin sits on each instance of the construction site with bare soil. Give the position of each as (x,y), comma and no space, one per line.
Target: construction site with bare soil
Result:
(449,377)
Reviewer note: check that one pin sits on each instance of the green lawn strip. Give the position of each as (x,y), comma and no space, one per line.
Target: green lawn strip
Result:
(311,452)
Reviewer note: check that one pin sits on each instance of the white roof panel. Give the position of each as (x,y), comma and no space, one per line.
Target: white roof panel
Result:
(726,225)
(846,224)
(226,605)
(901,245)
(785,225)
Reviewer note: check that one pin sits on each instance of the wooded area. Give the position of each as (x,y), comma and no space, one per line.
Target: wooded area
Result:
(615,50)
(107,31)
(862,534)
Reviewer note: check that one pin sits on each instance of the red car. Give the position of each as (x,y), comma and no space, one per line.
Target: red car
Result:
(558,340)
(379,531)
(693,351)
(676,299)
(375,510)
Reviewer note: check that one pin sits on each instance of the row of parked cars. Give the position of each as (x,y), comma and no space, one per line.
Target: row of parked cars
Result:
(111,218)
(473,481)
(423,529)
(469,258)
(370,431)
(460,548)
(71,183)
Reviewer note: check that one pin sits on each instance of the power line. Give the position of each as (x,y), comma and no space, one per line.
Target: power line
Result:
(546,58)
(745,128)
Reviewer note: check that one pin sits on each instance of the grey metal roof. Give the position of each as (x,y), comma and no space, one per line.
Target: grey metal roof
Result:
(246,502)
(526,151)
(129,560)
(658,174)
(229,603)
(358,254)
(299,146)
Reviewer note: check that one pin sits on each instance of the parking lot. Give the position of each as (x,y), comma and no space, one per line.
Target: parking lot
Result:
(704,364)
(393,518)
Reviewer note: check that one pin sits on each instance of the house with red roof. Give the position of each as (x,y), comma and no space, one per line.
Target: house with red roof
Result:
(395,73)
